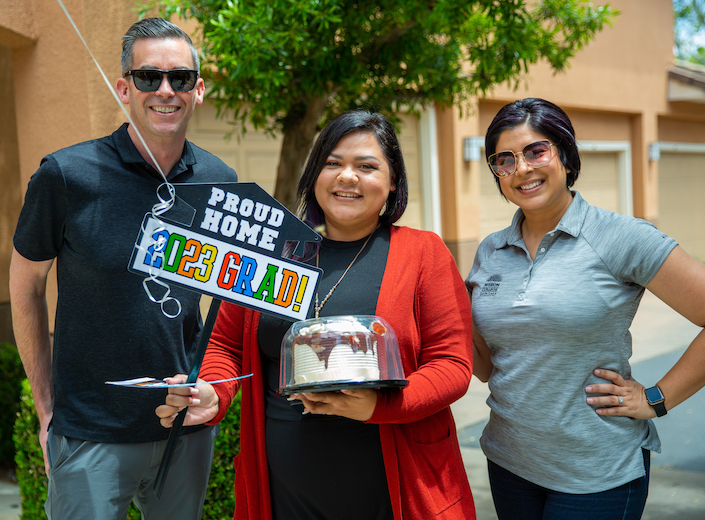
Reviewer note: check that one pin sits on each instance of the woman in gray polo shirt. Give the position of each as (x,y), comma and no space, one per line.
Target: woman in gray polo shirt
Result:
(553,296)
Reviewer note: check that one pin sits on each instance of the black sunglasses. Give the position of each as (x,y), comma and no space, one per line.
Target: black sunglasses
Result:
(149,80)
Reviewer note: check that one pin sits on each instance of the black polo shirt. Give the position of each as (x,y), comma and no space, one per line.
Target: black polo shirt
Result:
(84,207)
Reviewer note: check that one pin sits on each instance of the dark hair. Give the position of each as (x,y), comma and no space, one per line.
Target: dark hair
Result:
(153,28)
(544,117)
(348,122)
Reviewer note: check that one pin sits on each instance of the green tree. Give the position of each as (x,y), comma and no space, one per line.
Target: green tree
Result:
(689,30)
(289,66)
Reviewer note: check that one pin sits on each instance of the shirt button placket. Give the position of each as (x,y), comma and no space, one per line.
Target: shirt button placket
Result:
(524,285)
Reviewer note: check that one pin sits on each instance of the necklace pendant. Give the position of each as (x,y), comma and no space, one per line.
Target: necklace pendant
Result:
(316,307)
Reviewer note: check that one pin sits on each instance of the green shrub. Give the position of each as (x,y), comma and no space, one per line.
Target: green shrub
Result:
(10,388)
(220,501)
(29,459)
(133,513)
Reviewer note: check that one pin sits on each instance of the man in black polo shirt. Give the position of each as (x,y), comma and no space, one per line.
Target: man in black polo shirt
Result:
(84,206)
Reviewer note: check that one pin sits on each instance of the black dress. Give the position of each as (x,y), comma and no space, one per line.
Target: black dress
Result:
(326,467)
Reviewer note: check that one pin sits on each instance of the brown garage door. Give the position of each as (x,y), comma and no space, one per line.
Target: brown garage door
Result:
(682,200)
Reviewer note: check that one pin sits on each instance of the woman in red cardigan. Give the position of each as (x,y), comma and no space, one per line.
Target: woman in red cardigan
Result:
(360,453)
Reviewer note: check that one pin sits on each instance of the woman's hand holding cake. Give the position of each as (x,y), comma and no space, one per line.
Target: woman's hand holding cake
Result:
(357,404)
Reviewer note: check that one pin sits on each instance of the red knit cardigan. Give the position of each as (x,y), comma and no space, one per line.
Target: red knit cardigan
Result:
(425,301)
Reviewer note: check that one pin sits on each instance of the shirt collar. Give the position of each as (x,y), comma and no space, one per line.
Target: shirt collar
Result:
(574,217)
(571,222)
(130,155)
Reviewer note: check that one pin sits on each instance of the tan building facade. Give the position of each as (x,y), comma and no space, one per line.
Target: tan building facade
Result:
(639,119)
(640,124)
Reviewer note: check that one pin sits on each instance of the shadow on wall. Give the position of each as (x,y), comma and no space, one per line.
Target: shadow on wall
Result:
(11,193)
(6,335)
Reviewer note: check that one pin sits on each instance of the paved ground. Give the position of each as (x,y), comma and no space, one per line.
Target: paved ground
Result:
(9,502)
(677,490)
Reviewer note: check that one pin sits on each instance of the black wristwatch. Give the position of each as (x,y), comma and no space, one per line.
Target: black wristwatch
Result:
(654,396)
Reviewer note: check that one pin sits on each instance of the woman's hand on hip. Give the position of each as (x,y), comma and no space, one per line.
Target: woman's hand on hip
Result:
(624,397)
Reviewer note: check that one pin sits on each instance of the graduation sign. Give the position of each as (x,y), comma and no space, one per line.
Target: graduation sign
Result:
(226,240)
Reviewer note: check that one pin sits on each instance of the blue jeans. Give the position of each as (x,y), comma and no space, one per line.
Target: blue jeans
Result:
(516,498)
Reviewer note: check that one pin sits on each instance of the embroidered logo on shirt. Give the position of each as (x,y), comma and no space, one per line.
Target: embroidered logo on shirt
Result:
(491,286)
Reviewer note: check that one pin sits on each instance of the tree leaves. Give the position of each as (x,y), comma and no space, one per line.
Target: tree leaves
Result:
(262,57)
(265,61)
(689,30)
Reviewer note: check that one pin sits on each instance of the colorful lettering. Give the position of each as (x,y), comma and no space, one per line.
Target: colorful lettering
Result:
(268,284)
(228,271)
(287,288)
(188,261)
(204,273)
(172,255)
(152,256)
(300,293)
(243,285)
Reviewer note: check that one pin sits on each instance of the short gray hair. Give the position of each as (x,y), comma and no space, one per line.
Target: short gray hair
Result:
(153,28)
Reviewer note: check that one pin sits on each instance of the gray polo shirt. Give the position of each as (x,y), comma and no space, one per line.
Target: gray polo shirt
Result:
(549,323)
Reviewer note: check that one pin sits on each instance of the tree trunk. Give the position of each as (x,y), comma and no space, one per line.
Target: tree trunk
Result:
(299,133)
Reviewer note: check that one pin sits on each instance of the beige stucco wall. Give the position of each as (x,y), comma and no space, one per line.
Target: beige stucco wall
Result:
(622,69)
(615,89)
(11,188)
(682,130)
(17,23)
(58,91)
(55,98)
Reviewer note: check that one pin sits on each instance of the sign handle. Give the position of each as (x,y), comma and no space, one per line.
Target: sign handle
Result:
(193,375)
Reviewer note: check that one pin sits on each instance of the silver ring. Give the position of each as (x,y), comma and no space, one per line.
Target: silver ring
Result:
(621,400)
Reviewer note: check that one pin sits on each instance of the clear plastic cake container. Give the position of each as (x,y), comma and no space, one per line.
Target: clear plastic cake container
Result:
(338,352)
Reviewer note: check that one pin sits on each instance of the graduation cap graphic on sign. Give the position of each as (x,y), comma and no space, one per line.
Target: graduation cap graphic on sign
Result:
(226,240)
